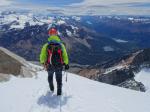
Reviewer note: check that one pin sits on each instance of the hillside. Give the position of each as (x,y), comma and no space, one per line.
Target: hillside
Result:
(120,71)
(11,63)
(79,95)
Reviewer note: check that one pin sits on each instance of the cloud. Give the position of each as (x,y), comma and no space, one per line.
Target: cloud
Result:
(107,2)
(136,4)
(5,2)
(117,7)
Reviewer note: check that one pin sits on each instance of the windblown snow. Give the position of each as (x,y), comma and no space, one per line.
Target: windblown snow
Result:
(79,95)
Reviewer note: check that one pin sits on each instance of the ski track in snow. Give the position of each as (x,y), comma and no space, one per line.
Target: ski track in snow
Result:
(79,95)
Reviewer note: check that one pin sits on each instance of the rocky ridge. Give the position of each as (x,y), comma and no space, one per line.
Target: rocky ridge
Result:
(12,64)
(121,71)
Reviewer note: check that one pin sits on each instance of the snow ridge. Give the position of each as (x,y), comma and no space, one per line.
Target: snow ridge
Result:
(79,95)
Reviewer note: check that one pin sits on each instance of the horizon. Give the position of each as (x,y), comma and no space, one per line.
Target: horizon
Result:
(80,7)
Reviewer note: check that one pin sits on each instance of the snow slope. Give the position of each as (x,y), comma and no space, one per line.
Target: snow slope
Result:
(79,95)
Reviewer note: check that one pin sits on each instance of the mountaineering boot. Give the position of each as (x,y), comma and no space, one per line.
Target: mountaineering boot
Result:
(51,86)
(58,92)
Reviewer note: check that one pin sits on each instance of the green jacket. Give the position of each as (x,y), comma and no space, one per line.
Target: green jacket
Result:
(43,55)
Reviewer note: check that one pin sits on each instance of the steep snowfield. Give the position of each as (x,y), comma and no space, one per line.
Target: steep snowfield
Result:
(144,77)
(79,95)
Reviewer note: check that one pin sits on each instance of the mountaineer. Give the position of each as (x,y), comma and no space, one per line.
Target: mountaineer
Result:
(53,57)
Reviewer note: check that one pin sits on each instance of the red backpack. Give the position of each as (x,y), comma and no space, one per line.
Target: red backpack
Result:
(54,54)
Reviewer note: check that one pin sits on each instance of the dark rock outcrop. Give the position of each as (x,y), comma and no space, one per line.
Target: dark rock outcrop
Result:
(121,71)
(116,76)
(133,84)
(141,60)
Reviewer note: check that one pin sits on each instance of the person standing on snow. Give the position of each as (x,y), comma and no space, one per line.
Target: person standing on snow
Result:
(54,56)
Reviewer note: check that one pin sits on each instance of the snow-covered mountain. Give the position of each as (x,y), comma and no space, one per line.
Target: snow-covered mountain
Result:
(18,20)
(79,95)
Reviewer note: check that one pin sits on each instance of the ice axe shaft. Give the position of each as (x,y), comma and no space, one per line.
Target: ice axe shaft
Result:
(66,76)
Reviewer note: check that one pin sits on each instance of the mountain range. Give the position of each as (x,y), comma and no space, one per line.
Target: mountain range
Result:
(90,40)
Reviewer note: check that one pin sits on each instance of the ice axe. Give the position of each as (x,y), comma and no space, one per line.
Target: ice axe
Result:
(66,76)
(65,73)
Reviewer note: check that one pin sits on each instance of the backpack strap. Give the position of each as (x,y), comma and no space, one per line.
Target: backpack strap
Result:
(60,53)
(50,54)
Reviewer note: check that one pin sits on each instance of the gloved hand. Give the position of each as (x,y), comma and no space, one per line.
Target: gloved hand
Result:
(45,66)
(66,67)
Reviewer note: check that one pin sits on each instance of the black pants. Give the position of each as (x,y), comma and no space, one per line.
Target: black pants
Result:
(58,74)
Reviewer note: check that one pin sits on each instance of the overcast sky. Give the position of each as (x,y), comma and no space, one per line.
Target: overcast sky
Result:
(99,7)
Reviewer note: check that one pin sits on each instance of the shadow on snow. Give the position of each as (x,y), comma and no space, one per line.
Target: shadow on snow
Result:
(52,101)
